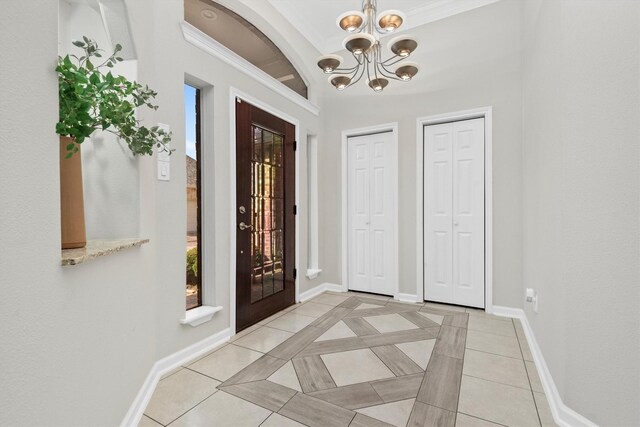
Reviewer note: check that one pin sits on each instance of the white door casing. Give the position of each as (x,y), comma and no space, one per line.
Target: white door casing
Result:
(454,234)
(371,214)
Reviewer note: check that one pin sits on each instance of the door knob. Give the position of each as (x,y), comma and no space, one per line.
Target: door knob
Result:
(455,223)
(242,226)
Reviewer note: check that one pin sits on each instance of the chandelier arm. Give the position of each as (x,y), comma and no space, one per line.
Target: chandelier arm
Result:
(384,67)
(386,73)
(361,71)
(358,60)
(365,58)
(368,73)
(345,70)
(388,61)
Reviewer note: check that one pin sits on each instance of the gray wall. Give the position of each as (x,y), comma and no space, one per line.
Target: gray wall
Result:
(581,207)
(161,46)
(470,60)
(78,342)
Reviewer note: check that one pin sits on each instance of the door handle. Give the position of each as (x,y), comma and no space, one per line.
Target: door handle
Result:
(455,223)
(242,226)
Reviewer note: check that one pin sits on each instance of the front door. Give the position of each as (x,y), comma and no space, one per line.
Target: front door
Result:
(265,222)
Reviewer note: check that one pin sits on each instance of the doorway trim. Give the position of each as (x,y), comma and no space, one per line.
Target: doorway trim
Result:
(421,122)
(369,130)
(233,94)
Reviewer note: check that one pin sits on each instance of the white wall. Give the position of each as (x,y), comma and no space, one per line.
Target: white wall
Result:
(581,200)
(78,342)
(161,46)
(469,60)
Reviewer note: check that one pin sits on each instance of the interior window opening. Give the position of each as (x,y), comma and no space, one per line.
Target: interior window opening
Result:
(243,38)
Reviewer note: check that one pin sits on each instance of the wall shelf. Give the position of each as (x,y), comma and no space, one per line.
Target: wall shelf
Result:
(98,248)
(199,315)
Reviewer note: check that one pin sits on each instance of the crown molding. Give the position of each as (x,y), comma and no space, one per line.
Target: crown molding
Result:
(202,41)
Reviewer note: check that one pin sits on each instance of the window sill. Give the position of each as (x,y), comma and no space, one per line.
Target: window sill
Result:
(199,315)
(98,248)
(313,273)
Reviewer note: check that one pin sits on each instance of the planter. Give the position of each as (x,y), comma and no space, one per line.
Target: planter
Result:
(71,198)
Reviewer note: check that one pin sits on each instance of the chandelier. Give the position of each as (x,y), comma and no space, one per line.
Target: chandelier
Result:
(363,41)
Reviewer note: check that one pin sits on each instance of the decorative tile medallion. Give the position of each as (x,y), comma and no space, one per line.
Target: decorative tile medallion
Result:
(370,356)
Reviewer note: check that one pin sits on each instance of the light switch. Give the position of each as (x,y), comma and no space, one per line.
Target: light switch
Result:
(164,171)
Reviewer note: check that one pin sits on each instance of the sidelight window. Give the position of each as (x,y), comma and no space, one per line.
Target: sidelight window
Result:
(194,204)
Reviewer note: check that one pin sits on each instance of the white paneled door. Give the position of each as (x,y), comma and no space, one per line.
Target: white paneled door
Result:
(371,213)
(454,213)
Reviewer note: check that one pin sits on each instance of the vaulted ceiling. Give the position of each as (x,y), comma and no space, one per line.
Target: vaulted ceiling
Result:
(316,19)
(450,50)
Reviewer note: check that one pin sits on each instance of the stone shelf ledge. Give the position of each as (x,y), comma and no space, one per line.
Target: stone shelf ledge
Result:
(98,248)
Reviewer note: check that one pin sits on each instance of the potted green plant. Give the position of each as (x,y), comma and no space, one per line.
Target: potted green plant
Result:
(92,98)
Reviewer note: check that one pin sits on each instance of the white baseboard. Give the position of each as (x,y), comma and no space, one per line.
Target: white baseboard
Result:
(165,365)
(407,297)
(307,295)
(516,313)
(562,414)
(333,287)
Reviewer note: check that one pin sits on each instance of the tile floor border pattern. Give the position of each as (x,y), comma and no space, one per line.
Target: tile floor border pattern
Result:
(319,378)
(434,391)
(321,405)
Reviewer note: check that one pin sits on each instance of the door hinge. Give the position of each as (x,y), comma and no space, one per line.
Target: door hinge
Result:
(295,273)
(239,101)
(295,209)
(295,145)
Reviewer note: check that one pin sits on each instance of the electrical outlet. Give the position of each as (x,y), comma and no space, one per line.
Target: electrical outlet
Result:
(532,297)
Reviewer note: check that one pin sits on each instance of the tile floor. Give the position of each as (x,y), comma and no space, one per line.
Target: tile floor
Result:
(360,360)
